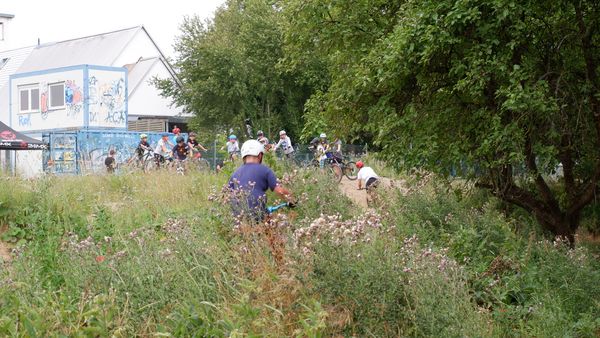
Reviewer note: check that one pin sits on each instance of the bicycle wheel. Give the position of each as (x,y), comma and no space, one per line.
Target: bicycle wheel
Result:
(147,163)
(336,171)
(202,165)
(351,171)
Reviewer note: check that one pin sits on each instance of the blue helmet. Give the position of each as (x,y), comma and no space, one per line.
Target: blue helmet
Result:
(232,137)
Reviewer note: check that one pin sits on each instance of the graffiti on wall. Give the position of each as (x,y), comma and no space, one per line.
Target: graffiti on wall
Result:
(95,146)
(73,99)
(44,101)
(25,120)
(107,101)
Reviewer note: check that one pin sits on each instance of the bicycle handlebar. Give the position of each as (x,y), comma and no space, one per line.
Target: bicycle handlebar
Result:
(274,208)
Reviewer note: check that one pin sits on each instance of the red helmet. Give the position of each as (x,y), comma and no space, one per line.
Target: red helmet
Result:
(360,164)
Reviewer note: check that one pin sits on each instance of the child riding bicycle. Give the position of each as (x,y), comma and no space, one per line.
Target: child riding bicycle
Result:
(195,146)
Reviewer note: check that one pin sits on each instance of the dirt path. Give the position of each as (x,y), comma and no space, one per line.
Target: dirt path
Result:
(4,248)
(359,197)
(4,252)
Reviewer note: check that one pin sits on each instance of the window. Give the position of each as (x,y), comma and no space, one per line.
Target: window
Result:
(29,99)
(3,62)
(1,32)
(57,95)
(35,99)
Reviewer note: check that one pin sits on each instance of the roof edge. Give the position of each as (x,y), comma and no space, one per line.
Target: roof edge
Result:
(170,68)
(7,16)
(88,36)
(137,85)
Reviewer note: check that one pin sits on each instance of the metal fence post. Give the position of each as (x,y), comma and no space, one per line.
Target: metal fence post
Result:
(215,154)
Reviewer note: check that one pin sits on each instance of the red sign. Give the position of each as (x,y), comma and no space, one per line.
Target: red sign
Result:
(7,135)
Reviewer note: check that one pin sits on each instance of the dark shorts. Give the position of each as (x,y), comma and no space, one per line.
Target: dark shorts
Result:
(372,183)
(161,159)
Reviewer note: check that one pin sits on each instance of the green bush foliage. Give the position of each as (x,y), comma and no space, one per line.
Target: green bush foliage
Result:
(161,255)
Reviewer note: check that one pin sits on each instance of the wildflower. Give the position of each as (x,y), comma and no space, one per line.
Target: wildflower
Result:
(100,259)
(166,253)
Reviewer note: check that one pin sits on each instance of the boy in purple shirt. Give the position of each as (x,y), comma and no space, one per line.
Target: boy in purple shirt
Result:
(250,182)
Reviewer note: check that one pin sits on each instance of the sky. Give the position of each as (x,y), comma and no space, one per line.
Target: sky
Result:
(57,20)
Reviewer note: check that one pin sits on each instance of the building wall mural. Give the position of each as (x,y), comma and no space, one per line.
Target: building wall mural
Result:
(103,91)
(45,118)
(93,147)
(107,99)
(73,98)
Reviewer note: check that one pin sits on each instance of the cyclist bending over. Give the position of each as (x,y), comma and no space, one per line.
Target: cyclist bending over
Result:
(367,176)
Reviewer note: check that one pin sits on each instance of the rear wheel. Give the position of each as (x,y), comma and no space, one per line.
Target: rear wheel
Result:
(351,171)
(202,165)
(336,171)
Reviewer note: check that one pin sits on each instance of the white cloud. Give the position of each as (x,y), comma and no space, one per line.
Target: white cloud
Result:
(58,20)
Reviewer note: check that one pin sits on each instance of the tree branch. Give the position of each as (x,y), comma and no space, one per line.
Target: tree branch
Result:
(540,183)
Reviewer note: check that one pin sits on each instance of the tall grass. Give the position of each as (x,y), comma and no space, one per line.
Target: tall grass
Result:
(161,254)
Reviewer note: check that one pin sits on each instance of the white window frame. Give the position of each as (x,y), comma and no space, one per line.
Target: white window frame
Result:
(50,106)
(29,88)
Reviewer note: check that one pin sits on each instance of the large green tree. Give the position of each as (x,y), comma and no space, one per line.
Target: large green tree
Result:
(506,89)
(230,70)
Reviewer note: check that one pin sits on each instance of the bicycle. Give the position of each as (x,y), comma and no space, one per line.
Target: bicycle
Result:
(337,167)
(197,162)
(145,162)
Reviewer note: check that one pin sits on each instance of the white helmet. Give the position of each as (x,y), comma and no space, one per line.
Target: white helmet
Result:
(252,148)
(282,132)
(323,135)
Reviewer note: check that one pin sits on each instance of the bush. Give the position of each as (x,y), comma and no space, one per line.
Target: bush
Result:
(161,254)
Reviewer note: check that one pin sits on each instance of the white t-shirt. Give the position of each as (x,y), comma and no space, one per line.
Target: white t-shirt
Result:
(263,140)
(159,147)
(321,152)
(233,147)
(286,145)
(365,173)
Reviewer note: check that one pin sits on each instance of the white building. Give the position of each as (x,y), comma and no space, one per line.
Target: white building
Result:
(132,48)
(94,82)
(4,30)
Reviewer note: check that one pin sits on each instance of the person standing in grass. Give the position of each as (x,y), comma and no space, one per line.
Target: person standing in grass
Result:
(250,182)
(110,162)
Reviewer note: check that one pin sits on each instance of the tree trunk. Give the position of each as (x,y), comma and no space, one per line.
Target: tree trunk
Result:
(559,224)
(551,217)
